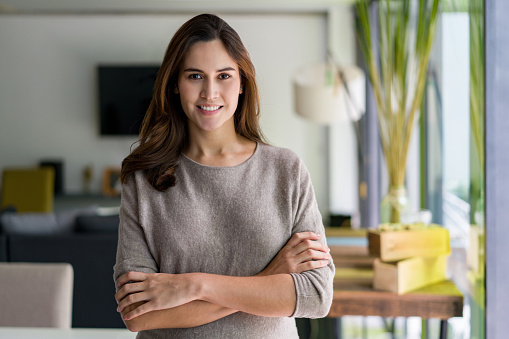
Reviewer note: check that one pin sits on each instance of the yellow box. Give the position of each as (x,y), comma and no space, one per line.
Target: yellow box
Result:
(406,243)
(410,274)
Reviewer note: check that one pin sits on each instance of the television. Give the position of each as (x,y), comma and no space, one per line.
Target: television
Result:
(124,96)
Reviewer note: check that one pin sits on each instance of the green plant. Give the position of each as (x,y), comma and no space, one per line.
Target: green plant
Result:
(398,76)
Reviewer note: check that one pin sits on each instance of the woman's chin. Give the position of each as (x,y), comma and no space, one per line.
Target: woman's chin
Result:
(212,125)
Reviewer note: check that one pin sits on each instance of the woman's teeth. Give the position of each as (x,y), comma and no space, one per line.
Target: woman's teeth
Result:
(209,108)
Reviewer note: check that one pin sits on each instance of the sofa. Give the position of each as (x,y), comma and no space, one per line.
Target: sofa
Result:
(81,237)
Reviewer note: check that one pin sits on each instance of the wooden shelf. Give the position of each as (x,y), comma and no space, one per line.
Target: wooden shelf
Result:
(442,300)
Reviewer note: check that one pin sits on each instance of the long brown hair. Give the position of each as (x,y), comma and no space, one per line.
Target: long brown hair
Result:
(164,133)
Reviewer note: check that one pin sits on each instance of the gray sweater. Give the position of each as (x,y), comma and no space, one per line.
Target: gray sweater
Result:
(229,221)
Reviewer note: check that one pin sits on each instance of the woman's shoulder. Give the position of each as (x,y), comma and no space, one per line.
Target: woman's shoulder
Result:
(282,154)
(277,152)
(138,181)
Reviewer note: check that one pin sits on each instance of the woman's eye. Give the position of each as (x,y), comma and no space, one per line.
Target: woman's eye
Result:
(224,76)
(194,76)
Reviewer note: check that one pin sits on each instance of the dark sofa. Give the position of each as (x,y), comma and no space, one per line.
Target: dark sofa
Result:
(88,242)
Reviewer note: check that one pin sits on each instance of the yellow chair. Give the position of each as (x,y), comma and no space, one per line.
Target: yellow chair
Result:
(28,189)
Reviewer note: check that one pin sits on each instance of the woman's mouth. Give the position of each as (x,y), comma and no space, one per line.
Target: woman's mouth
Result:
(209,109)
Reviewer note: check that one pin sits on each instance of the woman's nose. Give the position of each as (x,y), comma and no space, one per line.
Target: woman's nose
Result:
(209,90)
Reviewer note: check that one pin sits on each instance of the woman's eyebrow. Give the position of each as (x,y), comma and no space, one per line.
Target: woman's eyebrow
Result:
(218,71)
(227,69)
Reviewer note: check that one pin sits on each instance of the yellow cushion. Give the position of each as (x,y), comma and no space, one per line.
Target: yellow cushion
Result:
(28,189)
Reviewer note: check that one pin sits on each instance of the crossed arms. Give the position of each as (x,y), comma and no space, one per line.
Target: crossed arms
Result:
(160,300)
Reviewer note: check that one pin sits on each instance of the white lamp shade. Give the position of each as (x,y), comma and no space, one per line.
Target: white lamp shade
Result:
(321,97)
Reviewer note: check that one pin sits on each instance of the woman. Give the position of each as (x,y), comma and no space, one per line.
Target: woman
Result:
(220,234)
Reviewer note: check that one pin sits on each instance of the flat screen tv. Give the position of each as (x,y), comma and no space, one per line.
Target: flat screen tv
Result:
(124,96)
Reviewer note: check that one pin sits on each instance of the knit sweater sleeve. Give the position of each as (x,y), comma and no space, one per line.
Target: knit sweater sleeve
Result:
(133,253)
(314,288)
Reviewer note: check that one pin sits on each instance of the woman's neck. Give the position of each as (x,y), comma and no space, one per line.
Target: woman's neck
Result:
(219,148)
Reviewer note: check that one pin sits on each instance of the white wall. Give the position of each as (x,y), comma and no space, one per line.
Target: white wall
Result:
(48,84)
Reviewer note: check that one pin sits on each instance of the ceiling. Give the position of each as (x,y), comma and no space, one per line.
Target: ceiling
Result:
(161,6)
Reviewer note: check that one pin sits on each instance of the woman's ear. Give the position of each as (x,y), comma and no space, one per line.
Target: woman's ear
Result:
(175,89)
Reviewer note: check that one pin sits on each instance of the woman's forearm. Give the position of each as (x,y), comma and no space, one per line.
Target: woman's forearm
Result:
(268,296)
(271,293)
(219,296)
(195,313)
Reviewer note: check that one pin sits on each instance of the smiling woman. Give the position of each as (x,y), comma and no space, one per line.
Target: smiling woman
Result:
(209,96)
(220,233)
(163,137)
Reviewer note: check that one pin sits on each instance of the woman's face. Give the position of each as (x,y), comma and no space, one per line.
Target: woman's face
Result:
(209,86)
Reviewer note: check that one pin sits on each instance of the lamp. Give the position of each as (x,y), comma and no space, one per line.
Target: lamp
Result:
(335,97)
(321,94)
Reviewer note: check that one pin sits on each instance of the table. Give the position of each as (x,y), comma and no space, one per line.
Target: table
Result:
(442,300)
(59,333)
(354,293)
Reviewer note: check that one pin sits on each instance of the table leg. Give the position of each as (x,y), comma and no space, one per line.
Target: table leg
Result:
(443,328)
(338,329)
(390,326)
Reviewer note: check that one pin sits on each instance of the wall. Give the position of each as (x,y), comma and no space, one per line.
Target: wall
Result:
(48,103)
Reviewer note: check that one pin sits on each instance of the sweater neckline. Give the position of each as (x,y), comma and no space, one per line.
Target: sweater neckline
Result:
(195,163)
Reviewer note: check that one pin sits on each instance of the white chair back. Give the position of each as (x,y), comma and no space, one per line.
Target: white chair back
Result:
(36,294)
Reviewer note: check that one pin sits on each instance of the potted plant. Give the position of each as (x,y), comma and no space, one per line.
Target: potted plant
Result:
(398,75)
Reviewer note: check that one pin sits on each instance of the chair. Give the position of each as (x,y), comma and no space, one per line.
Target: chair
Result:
(36,294)
(28,189)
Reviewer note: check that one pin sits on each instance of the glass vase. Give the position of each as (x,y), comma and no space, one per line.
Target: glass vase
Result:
(394,204)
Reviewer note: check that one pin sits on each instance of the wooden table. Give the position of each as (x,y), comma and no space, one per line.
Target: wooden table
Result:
(354,293)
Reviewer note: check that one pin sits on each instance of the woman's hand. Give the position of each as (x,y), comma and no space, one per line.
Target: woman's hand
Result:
(301,253)
(155,290)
